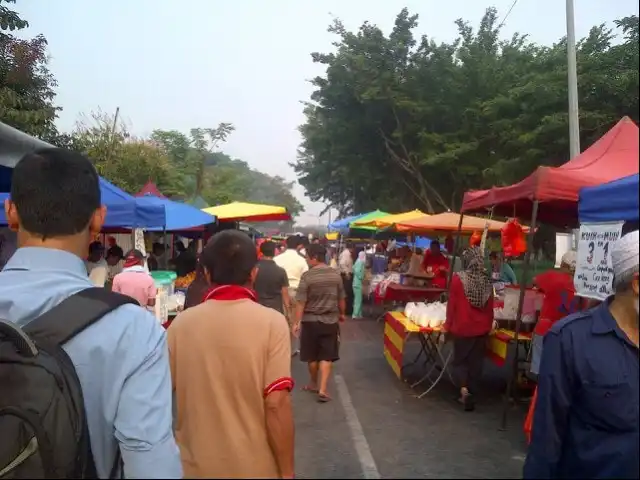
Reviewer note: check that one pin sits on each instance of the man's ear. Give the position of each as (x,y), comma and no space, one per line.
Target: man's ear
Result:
(11,212)
(97,221)
(635,285)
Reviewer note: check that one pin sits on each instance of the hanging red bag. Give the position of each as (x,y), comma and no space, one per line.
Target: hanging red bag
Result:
(514,241)
(476,239)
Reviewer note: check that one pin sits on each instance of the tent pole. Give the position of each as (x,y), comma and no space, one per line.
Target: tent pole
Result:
(523,289)
(456,244)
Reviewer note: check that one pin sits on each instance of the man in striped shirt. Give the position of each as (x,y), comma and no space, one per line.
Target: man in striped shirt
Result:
(320,308)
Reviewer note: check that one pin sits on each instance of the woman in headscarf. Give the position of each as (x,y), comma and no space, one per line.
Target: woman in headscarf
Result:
(358,278)
(197,288)
(469,321)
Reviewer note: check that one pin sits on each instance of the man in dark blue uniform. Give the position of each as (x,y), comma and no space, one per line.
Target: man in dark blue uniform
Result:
(586,416)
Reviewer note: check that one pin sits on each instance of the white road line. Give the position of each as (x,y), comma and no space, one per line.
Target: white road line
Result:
(368,464)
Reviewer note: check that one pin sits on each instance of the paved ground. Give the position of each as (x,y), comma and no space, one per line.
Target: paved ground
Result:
(376,428)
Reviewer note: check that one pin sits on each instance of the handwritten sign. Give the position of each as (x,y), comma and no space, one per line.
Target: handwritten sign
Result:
(594,274)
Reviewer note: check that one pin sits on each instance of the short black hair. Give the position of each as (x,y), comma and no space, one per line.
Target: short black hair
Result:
(55,191)
(304,241)
(96,247)
(229,256)
(317,252)
(293,241)
(435,243)
(268,248)
(116,251)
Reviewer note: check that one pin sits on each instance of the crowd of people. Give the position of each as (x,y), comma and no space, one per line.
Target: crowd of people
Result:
(210,396)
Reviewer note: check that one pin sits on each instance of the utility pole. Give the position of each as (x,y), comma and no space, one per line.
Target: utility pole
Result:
(574,122)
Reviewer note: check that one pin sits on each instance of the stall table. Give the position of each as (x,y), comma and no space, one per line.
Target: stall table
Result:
(402,294)
(397,331)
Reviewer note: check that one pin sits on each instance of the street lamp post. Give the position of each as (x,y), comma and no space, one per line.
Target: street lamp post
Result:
(572,78)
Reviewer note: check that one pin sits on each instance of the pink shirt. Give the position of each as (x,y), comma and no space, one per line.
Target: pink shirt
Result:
(136,283)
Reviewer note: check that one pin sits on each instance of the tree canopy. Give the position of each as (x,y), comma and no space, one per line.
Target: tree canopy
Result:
(183,166)
(402,122)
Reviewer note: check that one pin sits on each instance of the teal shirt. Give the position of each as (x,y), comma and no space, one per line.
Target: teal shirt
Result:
(507,275)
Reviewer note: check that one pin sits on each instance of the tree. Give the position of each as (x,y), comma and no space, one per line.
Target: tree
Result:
(222,179)
(126,161)
(401,123)
(26,85)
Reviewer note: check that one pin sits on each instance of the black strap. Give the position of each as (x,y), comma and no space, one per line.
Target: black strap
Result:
(74,314)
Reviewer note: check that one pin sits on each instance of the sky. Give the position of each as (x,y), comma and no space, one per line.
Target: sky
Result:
(196,63)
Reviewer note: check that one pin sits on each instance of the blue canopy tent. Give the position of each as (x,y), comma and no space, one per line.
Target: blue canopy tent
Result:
(123,210)
(342,224)
(610,202)
(421,242)
(179,216)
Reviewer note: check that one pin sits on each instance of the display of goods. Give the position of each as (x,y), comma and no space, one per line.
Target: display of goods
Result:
(431,315)
(514,242)
(185,281)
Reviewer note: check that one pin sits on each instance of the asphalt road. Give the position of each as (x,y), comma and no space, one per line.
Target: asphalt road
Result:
(375,427)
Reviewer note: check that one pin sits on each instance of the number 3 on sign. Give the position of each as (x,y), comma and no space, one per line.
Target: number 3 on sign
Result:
(605,253)
(592,247)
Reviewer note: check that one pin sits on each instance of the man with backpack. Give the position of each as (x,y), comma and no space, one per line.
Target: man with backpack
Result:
(84,373)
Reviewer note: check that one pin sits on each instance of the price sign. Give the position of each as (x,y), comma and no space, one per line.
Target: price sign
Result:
(594,273)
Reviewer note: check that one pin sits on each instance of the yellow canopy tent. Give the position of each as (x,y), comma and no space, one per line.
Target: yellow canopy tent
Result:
(250,212)
(388,220)
(331,236)
(448,222)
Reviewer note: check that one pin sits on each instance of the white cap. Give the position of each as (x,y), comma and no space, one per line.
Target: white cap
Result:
(570,259)
(625,256)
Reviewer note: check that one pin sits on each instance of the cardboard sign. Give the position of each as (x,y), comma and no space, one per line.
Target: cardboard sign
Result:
(594,273)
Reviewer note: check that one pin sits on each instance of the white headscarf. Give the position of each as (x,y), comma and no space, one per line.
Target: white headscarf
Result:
(362,257)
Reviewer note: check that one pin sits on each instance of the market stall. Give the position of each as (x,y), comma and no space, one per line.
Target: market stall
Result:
(249,212)
(550,195)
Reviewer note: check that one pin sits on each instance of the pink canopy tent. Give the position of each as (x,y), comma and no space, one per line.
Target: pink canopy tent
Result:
(149,188)
(613,156)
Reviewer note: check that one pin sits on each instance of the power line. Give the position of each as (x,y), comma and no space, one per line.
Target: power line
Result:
(508,13)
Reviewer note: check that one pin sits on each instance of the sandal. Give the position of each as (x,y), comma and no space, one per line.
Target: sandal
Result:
(308,388)
(323,398)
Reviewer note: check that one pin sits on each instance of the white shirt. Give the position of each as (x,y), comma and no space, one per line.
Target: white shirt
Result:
(345,262)
(98,272)
(293,264)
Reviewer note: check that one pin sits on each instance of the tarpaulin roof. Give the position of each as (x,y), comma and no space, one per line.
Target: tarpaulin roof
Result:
(180,216)
(369,217)
(614,155)
(250,212)
(150,188)
(387,220)
(122,209)
(610,202)
(343,223)
(448,222)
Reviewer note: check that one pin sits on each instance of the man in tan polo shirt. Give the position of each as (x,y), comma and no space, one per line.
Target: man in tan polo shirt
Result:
(231,370)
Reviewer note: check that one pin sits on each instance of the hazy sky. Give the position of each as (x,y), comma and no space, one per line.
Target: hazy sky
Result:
(194,63)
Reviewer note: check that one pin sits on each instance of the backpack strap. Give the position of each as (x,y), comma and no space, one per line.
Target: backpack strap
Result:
(74,314)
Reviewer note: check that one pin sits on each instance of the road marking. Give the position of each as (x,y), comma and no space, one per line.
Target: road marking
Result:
(368,464)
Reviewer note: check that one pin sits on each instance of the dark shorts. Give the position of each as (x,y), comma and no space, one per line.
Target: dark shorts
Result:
(319,342)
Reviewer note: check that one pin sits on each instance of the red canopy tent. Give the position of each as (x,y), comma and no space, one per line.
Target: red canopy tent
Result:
(149,188)
(613,156)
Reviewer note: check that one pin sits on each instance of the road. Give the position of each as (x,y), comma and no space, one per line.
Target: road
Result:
(375,427)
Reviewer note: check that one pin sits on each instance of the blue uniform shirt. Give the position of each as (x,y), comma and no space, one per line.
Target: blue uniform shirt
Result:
(121,361)
(585,423)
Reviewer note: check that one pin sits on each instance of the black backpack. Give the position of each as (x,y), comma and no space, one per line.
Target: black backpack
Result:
(43,424)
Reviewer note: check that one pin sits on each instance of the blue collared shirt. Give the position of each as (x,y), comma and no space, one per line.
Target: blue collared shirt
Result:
(585,423)
(122,363)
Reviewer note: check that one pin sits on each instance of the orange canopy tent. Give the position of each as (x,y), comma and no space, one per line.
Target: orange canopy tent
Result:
(447,222)
(613,156)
